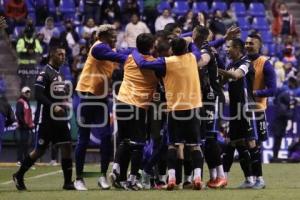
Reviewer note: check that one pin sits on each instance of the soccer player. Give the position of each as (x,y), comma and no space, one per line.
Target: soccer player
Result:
(92,89)
(240,75)
(264,86)
(51,92)
(213,99)
(183,102)
(134,98)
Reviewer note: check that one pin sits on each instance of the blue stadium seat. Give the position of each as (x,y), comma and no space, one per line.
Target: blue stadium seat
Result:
(67,6)
(51,6)
(243,23)
(79,30)
(238,8)
(200,7)
(162,6)
(180,7)
(257,10)
(218,5)
(30,6)
(244,35)
(272,49)
(266,36)
(260,23)
(32,16)
(18,31)
(141,5)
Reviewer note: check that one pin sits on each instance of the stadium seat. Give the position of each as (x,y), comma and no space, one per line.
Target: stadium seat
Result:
(200,7)
(272,49)
(180,8)
(18,31)
(243,23)
(238,8)
(162,6)
(141,5)
(257,10)
(216,5)
(266,36)
(67,6)
(30,6)
(260,23)
(244,35)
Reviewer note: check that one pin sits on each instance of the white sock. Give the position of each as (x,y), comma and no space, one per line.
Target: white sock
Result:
(171,173)
(220,171)
(162,178)
(116,167)
(213,173)
(250,179)
(259,178)
(197,172)
(226,174)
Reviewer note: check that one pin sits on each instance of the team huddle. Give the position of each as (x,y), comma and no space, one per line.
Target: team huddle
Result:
(183,124)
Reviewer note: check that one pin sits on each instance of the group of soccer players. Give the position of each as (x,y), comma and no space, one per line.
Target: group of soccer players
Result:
(186,71)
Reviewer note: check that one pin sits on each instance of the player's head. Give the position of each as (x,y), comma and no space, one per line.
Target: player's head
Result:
(253,44)
(57,56)
(235,48)
(178,46)
(107,33)
(163,48)
(200,34)
(173,29)
(145,43)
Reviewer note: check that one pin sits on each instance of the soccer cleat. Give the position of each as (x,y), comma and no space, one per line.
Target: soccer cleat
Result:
(210,183)
(259,184)
(114,179)
(160,185)
(146,181)
(19,182)
(103,183)
(218,183)
(246,185)
(69,186)
(197,184)
(18,163)
(123,185)
(171,184)
(133,186)
(80,185)
(187,185)
(53,163)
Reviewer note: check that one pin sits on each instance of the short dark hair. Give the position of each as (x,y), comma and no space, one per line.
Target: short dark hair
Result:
(53,49)
(170,27)
(163,46)
(179,46)
(202,33)
(255,36)
(144,42)
(238,43)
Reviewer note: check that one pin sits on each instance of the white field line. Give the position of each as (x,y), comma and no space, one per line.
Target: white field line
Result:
(35,177)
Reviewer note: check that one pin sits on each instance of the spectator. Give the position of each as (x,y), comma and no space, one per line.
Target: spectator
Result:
(121,39)
(280,73)
(217,25)
(28,49)
(163,20)
(130,6)
(7,116)
(48,29)
(89,28)
(187,21)
(79,60)
(44,45)
(284,22)
(92,9)
(16,12)
(288,55)
(41,8)
(200,19)
(72,38)
(25,124)
(285,103)
(133,29)
(110,11)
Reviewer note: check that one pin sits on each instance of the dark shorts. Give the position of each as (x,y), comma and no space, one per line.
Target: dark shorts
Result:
(56,132)
(243,128)
(184,127)
(261,126)
(210,119)
(131,123)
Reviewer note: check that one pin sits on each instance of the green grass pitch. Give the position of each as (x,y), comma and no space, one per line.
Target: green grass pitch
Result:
(44,183)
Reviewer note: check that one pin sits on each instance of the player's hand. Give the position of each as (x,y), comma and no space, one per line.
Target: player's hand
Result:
(59,111)
(188,40)
(232,32)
